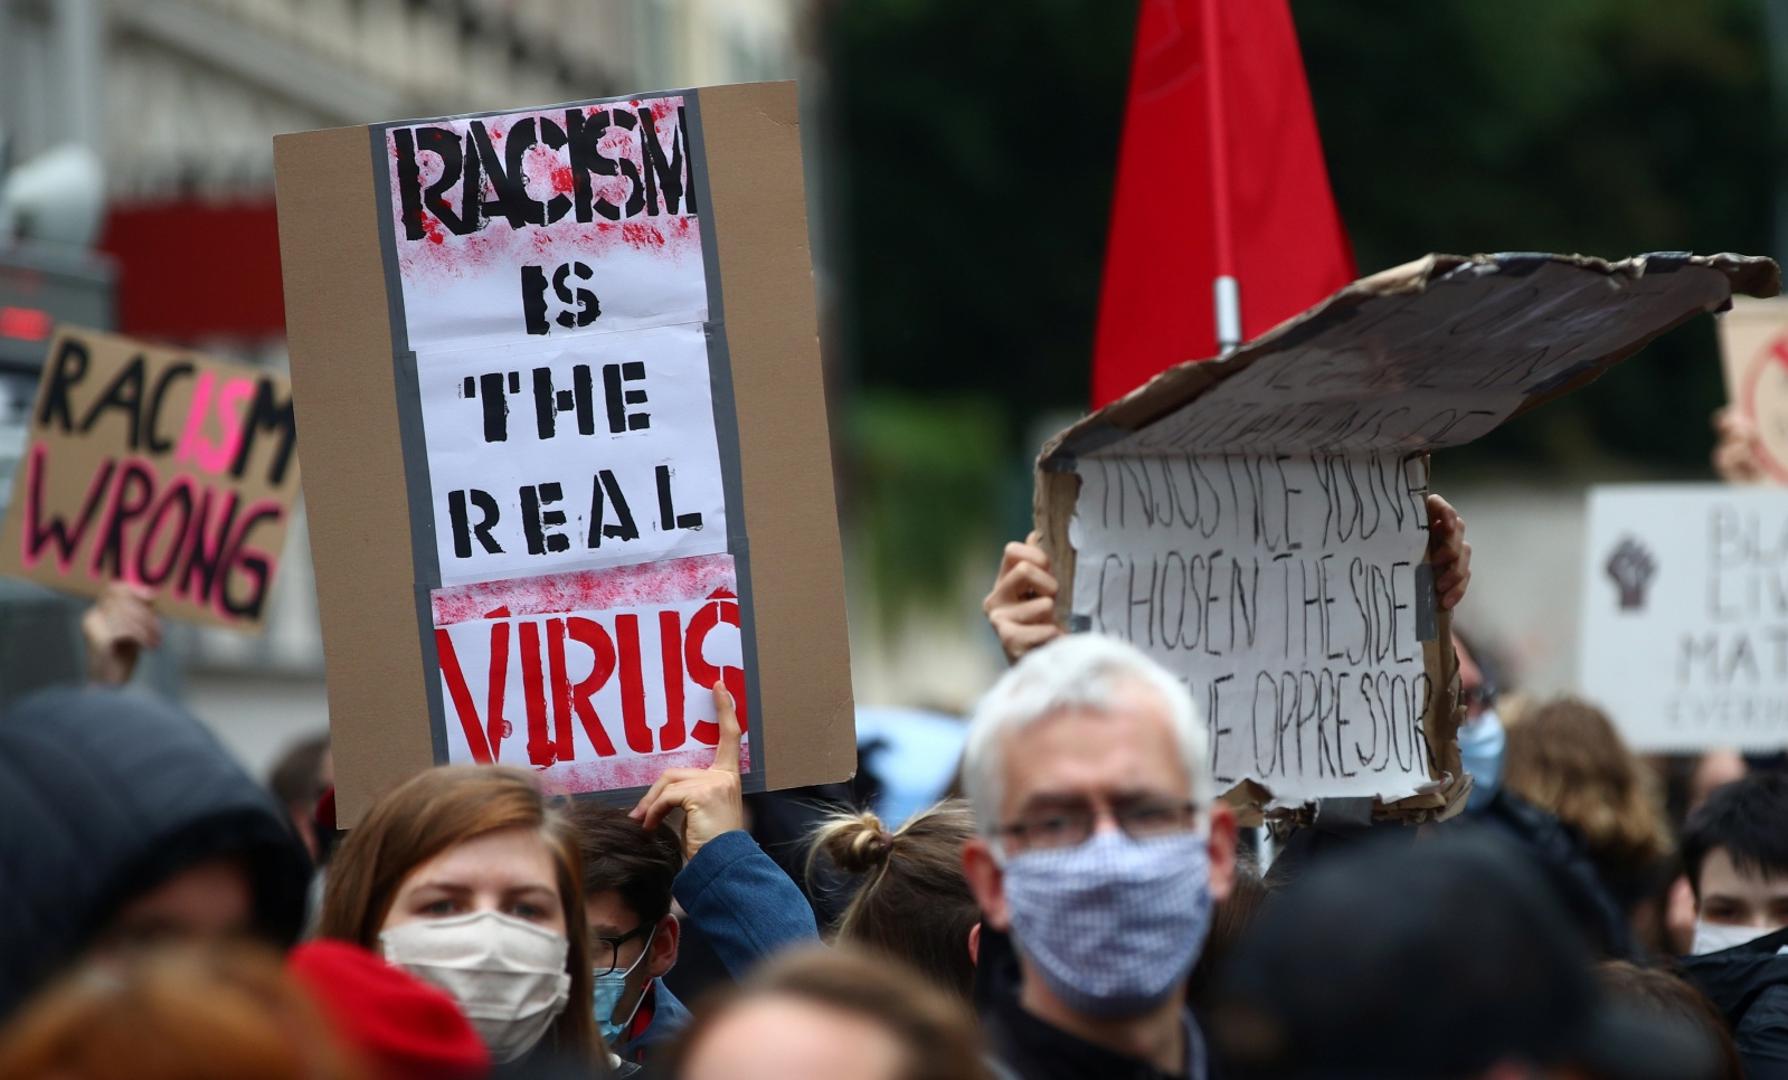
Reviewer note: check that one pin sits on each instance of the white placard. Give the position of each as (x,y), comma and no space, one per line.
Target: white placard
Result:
(1685,614)
(596,452)
(599,679)
(547,223)
(1288,593)
(555,304)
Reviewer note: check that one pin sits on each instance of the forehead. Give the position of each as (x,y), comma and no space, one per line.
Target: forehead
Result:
(1720,875)
(504,858)
(607,912)
(1127,747)
(812,1043)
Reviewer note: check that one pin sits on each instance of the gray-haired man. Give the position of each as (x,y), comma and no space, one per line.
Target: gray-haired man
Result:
(1100,852)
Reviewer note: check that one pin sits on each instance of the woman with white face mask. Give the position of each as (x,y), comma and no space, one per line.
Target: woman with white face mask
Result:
(466,877)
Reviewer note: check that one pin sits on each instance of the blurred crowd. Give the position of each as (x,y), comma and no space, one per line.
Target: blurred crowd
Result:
(1077,901)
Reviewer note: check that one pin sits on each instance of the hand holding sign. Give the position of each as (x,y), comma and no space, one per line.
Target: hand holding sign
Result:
(1021,606)
(1448,553)
(118,627)
(711,799)
(1738,456)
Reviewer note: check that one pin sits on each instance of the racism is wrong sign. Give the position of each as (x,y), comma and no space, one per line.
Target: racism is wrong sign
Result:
(573,428)
(1258,523)
(157,467)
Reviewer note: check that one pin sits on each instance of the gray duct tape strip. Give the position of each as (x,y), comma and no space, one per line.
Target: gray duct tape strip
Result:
(1427,628)
(726,435)
(423,553)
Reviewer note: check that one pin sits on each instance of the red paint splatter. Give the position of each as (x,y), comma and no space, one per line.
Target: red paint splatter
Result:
(673,581)
(447,256)
(638,234)
(613,774)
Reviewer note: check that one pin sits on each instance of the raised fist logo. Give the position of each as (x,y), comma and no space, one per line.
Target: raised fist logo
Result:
(1632,568)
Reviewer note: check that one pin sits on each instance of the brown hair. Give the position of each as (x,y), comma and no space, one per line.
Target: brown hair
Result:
(936,1034)
(1669,997)
(619,854)
(1566,758)
(914,902)
(434,811)
(181,1013)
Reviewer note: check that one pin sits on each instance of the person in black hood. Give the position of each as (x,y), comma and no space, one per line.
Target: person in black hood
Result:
(122,820)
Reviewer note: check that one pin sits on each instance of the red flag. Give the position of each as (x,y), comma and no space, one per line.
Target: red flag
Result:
(1220,174)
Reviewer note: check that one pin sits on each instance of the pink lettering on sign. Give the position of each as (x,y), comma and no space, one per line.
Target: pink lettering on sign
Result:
(163,532)
(196,446)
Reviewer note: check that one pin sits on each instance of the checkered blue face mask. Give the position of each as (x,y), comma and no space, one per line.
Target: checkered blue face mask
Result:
(1113,924)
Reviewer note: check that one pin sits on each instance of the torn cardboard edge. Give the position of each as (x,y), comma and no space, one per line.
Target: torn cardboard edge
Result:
(1057,483)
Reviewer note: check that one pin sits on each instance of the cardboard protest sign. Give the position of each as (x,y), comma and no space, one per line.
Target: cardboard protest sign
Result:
(1685,615)
(559,377)
(157,467)
(1754,342)
(1257,523)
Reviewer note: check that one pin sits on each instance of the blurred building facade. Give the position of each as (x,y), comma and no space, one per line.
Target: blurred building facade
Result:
(180,100)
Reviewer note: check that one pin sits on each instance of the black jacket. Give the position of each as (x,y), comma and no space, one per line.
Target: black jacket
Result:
(1024,1047)
(1749,984)
(104,795)
(1560,853)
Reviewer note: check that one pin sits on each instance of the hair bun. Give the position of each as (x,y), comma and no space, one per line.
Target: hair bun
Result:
(856,843)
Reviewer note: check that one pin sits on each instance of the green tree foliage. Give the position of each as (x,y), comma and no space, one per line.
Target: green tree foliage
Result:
(970,150)
(1607,127)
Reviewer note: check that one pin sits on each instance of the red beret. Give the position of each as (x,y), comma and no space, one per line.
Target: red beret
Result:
(401,1026)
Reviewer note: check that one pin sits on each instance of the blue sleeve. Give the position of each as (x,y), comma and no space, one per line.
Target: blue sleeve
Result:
(743,902)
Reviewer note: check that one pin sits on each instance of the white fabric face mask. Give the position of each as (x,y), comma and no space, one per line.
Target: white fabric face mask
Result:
(1717,937)
(507,975)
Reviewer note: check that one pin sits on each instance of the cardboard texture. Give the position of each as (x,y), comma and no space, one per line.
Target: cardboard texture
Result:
(158,467)
(1682,617)
(1754,345)
(375,322)
(1426,355)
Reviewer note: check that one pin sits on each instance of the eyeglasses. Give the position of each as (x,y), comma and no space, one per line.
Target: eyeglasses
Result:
(1062,827)
(605,952)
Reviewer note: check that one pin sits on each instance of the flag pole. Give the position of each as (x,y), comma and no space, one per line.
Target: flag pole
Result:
(1226,291)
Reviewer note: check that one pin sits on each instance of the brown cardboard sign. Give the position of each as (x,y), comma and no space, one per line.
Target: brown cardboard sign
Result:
(158,467)
(560,368)
(1257,523)
(1754,343)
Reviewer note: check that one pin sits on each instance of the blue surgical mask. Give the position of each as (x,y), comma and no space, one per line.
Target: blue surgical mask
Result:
(609,988)
(1112,924)
(1480,748)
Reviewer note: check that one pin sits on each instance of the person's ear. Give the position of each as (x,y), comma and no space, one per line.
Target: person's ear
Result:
(665,942)
(974,944)
(1222,850)
(987,881)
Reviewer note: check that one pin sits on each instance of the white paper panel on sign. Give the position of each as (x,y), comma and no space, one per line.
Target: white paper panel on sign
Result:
(1287,593)
(599,451)
(600,679)
(551,222)
(1685,614)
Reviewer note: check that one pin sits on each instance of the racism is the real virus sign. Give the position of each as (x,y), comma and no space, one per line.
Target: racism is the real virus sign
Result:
(594,388)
